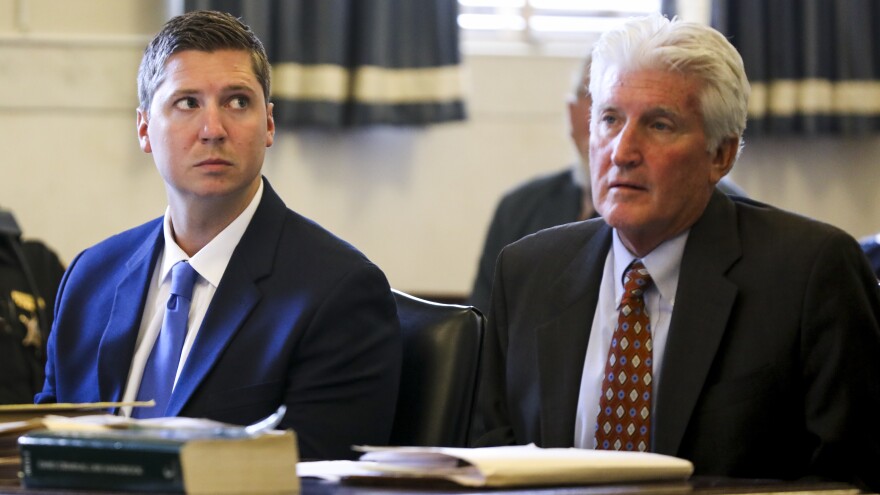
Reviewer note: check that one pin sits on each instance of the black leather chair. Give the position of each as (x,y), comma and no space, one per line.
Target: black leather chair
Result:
(441,354)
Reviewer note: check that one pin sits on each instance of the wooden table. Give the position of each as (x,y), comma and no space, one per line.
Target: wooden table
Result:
(695,486)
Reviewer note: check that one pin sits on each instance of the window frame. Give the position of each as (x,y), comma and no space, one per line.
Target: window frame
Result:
(529,41)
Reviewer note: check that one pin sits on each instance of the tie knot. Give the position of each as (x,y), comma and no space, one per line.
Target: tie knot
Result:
(636,280)
(183,277)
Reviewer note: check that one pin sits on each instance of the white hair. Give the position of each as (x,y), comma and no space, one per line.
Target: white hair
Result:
(689,48)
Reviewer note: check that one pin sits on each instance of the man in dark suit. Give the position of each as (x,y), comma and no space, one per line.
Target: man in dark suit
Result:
(760,358)
(282,312)
(549,200)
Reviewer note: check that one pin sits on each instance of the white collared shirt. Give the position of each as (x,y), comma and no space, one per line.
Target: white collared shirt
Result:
(210,263)
(664,265)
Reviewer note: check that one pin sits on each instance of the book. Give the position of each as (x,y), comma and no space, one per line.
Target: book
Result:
(18,419)
(189,460)
(515,466)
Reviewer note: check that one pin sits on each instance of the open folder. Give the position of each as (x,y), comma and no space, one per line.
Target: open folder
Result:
(503,466)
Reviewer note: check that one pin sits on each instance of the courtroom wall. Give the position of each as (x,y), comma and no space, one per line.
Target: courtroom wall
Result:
(415,200)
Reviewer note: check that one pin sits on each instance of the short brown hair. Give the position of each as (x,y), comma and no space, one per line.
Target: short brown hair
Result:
(202,30)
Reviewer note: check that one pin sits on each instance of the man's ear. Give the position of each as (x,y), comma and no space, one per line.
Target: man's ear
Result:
(270,125)
(142,131)
(724,157)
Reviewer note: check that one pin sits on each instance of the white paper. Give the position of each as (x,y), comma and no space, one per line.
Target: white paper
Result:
(526,465)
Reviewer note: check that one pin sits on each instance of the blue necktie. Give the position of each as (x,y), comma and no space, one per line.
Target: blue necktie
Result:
(161,367)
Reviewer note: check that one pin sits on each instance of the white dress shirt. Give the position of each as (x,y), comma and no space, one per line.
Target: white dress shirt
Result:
(210,263)
(664,264)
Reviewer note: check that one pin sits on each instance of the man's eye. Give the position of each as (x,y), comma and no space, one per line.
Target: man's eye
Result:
(239,102)
(661,126)
(186,103)
(609,119)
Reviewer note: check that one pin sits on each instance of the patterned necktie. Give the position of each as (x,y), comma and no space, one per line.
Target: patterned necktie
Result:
(161,367)
(624,421)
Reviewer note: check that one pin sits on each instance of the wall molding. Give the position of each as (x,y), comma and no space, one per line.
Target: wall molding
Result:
(30,40)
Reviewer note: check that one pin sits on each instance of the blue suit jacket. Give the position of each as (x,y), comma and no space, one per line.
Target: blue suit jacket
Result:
(300,317)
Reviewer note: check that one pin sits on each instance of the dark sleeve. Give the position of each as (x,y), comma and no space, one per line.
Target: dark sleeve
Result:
(491,422)
(48,394)
(343,381)
(840,349)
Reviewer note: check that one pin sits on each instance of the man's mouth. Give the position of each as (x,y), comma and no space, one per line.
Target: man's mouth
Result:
(214,161)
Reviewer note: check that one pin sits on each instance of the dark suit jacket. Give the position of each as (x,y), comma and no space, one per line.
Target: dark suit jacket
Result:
(300,318)
(543,202)
(771,366)
(21,366)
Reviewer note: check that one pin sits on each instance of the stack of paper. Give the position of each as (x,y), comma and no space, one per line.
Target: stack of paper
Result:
(18,419)
(503,466)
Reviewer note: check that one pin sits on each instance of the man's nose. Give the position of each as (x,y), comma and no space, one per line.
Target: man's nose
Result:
(213,127)
(627,146)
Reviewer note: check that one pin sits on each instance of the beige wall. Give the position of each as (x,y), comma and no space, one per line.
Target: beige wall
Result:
(417,201)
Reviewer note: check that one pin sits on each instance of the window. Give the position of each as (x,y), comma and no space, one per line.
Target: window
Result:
(541,23)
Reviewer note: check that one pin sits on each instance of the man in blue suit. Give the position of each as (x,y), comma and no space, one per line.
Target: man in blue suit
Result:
(282,311)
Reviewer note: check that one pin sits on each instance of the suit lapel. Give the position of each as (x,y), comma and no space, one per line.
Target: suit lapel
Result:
(562,342)
(235,298)
(116,349)
(703,304)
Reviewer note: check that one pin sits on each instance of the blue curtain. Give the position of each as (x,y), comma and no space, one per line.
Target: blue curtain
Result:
(813,65)
(348,63)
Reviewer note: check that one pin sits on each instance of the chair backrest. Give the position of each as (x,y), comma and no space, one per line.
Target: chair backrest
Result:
(441,354)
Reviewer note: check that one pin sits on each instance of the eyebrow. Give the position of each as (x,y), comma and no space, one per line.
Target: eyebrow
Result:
(235,88)
(662,112)
(232,88)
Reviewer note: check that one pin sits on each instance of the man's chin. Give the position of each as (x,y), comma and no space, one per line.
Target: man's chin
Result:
(624,214)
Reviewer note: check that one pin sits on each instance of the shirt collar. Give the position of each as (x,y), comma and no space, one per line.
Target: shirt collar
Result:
(211,261)
(663,263)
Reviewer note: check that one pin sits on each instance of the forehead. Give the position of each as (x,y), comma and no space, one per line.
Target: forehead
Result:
(199,70)
(647,89)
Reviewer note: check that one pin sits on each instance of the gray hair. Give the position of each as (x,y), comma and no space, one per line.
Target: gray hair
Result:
(581,85)
(689,48)
(205,31)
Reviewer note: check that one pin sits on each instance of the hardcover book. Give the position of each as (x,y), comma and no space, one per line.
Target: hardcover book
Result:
(159,459)
(18,419)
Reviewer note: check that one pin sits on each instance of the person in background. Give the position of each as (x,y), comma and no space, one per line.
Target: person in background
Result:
(29,276)
(684,321)
(230,305)
(871,247)
(552,199)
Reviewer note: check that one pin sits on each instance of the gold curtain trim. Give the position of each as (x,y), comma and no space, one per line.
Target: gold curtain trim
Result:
(371,85)
(309,82)
(787,98)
